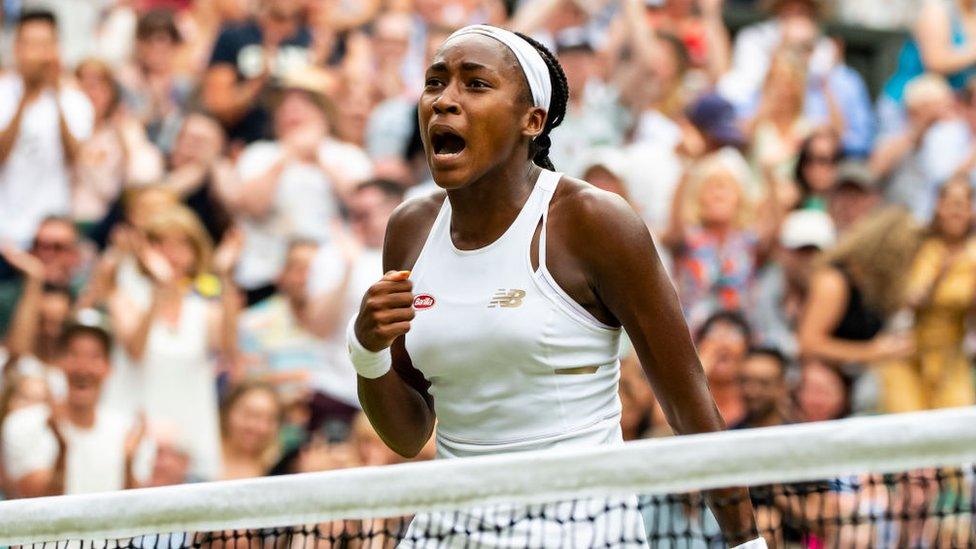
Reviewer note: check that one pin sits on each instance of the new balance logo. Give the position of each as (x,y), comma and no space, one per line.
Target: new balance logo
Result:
(507,298)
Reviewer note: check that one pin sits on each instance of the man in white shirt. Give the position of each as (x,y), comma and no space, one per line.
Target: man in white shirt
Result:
(288,187)
(72,448)
(42,124)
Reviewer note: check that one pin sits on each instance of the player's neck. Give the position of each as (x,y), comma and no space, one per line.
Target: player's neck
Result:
(483,210)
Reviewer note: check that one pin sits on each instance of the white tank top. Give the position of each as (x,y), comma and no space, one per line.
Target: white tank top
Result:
(514,362)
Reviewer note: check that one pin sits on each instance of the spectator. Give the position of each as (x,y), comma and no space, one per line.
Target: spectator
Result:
(855,196)
(32,343)
(44,121)
(16,392)
(783,284)
(824,393)
(288,187)
(794,26)
(75,448)
(152,89)
(341,273)
(940,44)
(246,58)
(118,153)
(764,393)
(250,416)
(715,120)
(56,246)
(723,341)
(278,343)
(941,289)
(594,116)
(172,457)
(198,171)
(816,169)
(918,159)
(856,287)
(170,333)
(779,126)
(701,30)
(716,250)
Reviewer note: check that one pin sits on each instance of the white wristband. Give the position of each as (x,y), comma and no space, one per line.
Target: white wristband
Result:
(367,363)
(758,543)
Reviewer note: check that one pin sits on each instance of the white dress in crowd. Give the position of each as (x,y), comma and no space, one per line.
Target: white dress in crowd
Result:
(175,382)
(180,384)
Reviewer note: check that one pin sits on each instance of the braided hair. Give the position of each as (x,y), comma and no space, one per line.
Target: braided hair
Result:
(539,147)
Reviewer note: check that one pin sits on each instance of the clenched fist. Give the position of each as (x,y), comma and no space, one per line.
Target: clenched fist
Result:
(386,311)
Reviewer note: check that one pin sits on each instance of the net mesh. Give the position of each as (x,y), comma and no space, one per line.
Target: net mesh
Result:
(898,481)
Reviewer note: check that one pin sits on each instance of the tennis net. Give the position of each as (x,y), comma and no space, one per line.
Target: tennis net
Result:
(893,481)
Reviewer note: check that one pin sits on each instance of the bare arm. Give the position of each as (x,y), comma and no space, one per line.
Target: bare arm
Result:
(934,36)
(131,324)
(69,142)
(674,236)
(46,482)
(397,404)
(532,15)
(325,309)
(23,328)
(837,120)
(822,312)
(225,98)
(892,151)
(629,280)
(223,321)
(717,35)
(256,195)
(640,35)
(9,135)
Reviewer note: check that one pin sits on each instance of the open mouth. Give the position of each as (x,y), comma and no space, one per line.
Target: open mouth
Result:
(445,142)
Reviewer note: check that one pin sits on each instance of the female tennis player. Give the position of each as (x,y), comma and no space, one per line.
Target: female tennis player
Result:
(502,306)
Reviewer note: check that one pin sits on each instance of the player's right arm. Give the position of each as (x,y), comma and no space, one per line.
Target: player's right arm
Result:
(397,403)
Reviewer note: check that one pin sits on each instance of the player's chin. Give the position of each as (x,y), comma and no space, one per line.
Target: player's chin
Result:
(452,173)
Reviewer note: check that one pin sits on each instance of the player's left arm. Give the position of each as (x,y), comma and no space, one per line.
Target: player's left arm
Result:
(626,275)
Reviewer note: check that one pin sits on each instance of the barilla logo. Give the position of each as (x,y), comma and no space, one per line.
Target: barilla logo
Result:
(423,301)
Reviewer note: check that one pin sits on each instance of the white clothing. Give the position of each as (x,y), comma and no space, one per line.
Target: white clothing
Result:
(304,206)
(753,53)
(34,181)
(338,377)
(514,364)
(95,459)
(179,384)
(31,366)
(495,337)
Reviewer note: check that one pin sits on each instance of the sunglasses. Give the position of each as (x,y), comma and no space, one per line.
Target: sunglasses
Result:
(53,245)
(822,160)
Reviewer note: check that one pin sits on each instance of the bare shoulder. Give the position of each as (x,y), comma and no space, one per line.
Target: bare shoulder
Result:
(407,230)
(593,212)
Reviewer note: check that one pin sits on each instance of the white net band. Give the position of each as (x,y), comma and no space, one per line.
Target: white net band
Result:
(789,454)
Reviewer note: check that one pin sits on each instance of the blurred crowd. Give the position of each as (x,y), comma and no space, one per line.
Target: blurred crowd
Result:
(194,196)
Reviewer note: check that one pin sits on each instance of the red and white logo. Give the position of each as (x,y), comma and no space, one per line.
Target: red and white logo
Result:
(423,301)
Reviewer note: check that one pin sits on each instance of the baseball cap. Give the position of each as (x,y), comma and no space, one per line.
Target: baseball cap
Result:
(714,116)
(805,228)
(852,172)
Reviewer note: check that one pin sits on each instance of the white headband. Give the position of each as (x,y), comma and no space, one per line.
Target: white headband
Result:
(533,66)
